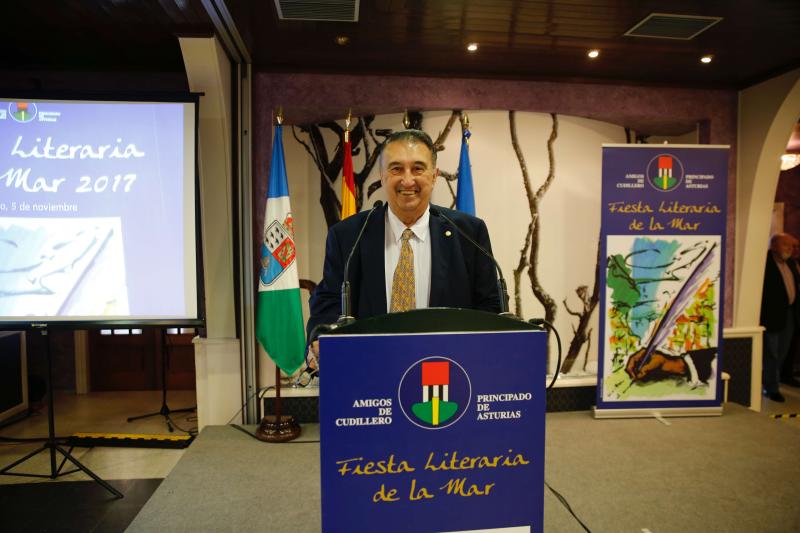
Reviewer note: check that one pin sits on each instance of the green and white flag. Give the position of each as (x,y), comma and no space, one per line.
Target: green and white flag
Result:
(279,328)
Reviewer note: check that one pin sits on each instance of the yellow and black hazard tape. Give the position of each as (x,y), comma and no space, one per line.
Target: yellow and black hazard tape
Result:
(129,440)
(786,415)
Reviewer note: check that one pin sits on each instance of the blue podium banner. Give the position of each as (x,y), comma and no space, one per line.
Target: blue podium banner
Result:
(435,432)
(663,237)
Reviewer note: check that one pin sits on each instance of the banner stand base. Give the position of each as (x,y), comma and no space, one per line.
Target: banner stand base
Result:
(657,413)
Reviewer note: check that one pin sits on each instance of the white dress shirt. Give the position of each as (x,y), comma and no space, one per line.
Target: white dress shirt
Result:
(420,245)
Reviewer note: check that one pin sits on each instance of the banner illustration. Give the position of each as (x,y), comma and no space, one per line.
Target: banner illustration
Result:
(663,240)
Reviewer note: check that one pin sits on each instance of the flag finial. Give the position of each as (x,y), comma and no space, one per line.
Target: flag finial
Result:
(347,125)
(406,120)
(279,115)
(465,126)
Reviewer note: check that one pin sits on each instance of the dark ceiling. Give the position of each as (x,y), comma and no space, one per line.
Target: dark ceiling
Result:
(527,39)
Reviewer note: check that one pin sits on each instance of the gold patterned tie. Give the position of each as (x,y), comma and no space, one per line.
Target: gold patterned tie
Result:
(403,290)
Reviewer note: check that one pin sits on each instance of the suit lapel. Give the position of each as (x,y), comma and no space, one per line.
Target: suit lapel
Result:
(441,251)
(372,266)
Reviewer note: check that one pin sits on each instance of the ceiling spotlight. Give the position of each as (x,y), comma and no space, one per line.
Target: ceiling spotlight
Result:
(706,59)
(472,47)
(593,53)
(342,40)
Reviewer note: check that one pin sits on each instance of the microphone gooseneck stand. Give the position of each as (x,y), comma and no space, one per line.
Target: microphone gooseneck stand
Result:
(346,317)
(502,288)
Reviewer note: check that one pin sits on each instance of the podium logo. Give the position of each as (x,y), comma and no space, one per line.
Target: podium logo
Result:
(434,393)
(665,172)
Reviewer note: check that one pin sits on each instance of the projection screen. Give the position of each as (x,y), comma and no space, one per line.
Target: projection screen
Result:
(99,216)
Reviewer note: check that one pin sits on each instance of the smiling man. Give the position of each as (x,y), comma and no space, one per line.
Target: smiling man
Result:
(409,257)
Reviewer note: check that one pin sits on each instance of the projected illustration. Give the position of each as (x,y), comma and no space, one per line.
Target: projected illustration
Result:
(56,267)
(662,296)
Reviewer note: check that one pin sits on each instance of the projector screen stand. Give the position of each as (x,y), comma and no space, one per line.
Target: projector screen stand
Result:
(52,444)
(165,411)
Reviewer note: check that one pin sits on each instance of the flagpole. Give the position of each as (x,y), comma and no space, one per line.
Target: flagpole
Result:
(278,428)
(277,393)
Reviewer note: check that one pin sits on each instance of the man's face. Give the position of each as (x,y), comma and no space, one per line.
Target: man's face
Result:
(783,247)
(408,175)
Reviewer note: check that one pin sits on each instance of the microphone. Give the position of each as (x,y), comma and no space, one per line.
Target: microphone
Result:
(502,289)
(346,317)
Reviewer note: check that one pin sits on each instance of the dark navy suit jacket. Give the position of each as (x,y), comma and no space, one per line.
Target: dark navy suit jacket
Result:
(775,299)
(461,276)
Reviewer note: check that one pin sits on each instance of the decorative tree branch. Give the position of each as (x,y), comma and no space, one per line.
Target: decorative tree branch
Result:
(518,272)
(584,316)
(448,178)
(438,144)
(547,301)
(331,169)
(315,157)
(534,199)
(415,119)
(374,186)
(588,349)
(371,157)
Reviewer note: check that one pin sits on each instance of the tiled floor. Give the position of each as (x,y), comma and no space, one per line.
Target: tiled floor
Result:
(74,502)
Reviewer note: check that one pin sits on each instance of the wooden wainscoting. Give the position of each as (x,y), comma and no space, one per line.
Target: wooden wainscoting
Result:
(130,359)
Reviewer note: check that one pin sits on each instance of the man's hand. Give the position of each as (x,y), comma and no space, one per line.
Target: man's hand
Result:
(312,361)
(659,366)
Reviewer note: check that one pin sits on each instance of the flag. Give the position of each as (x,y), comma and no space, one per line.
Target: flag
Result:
(279,327)
(348,183)
(465,197)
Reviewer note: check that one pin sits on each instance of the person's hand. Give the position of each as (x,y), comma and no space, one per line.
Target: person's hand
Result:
(658,367)
(312,361)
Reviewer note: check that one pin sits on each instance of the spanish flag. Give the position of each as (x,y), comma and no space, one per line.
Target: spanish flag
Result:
(348,183)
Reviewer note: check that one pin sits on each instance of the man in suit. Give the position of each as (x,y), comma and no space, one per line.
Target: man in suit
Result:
(793,357)
(409,257)
(779,311)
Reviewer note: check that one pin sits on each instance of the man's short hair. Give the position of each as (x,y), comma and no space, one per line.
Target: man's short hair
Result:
(777,238)
(411,136)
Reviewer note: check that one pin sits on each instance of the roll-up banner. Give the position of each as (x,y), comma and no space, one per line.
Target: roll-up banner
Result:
(663,237)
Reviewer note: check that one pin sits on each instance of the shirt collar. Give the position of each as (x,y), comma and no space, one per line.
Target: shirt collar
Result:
(420,227)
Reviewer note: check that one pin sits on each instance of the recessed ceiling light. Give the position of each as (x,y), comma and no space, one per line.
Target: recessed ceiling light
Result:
(706,59)
(472,47)
(593,53)
(342,40)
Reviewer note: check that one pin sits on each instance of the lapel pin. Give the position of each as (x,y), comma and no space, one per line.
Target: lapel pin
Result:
(448,233)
